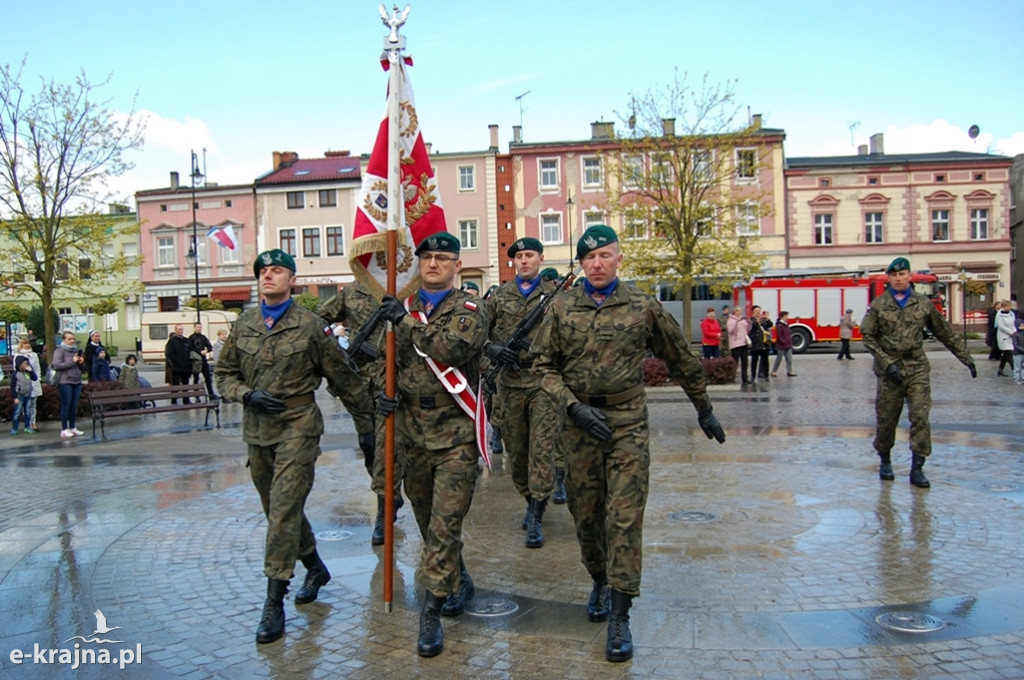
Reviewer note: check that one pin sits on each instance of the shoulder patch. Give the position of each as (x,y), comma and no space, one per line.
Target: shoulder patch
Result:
(469,304)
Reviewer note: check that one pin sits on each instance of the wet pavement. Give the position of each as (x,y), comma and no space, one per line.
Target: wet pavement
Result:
(777,555)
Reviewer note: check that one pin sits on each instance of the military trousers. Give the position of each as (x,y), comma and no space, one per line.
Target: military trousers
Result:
(607,484)
(283,475)
(916,391)
(528,428)
(439,484)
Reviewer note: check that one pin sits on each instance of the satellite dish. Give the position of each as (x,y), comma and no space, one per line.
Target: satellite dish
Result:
(973,131)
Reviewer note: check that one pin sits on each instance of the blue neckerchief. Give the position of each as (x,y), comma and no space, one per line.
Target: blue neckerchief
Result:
(901,298)
(273,313)
(527,287)
(432,301)
(599,295)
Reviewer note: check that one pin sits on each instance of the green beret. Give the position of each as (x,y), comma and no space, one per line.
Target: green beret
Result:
(549,274)
(469,285)
(898,265)
(527,243)
(594,237)
(269,258)
(442,241)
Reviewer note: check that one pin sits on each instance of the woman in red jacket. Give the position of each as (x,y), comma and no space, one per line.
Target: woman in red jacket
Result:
(710,334)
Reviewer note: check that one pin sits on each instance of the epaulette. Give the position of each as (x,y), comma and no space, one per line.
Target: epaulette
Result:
(470,305)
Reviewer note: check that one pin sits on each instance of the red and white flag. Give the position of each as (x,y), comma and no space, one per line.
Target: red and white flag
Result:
(225,236)
(422,214)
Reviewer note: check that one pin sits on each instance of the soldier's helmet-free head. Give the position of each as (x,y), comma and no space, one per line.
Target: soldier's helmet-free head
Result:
(898,265)
(549,274)
(596,236)
(440,242)
(526,243)
(471,287)
(269,258)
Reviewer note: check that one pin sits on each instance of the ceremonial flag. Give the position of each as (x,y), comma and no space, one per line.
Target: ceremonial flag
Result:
(422,216)
(224,236)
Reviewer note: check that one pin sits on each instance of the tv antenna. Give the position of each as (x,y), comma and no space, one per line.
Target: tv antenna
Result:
(519,98)
(853,125)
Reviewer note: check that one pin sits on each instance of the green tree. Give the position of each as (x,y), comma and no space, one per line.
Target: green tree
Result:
(59,147)
(679,179)
(307,300)
(205,303)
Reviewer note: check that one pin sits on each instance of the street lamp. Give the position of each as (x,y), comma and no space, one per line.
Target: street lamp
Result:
(193,252)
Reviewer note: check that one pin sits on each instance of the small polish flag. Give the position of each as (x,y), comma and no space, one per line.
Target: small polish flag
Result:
(225,236)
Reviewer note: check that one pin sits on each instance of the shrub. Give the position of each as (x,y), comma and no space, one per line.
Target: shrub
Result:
(656,373)
(721,371)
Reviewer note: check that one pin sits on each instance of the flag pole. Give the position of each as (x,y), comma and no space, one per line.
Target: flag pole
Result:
(393,45)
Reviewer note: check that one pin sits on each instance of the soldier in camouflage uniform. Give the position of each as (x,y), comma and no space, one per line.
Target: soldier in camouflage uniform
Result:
(590,351)
(435,440)
(528,422)
(355,304)
(893,331)
(273,362)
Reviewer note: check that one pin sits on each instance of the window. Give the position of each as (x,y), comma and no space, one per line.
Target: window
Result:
(979,177)
(328,198)
(549,173)
(163,207)
(661,170)
(592,172)
(311,242)
(335,241)
(228,256)
(939,179)
(227,203)
(201,251)
(823,229)
(551,228)
(632,171)
(467,178)
(468,234)
(873,227)
(940,225)
(287,237)
(165,251)
(747,221)
(296,200)
(979,224)
(824,183)
(591,218)
(84,268)
(873,181)
(635,229)
(702,168)
(746,164)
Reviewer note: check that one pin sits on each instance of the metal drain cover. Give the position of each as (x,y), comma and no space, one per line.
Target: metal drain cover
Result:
(491,606)
(334,535)
(692,516)
(910,622)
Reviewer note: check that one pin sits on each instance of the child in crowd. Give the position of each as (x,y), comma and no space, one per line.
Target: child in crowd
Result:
(100,370)
(129,376)
(1018,354)
(21,391)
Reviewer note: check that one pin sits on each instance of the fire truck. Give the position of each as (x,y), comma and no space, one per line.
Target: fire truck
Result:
(816,302)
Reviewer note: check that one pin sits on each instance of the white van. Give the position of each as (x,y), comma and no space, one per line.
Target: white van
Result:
(158,326)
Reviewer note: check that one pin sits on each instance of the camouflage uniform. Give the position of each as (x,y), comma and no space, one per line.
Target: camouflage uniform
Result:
(527,416)
(434,439)
(288,361)
(585,350)
(894,335)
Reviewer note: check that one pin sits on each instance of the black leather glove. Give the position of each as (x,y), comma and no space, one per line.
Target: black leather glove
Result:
(261,400)
(368,445)
(709,423)
(500,354)
(591,420)
(392,309)
(973,369)
(386,405)
(893,373)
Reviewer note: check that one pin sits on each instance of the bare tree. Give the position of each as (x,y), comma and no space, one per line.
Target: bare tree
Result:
(58,149)
(683,178)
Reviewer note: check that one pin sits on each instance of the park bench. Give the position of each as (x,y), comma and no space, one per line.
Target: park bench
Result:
(140,401)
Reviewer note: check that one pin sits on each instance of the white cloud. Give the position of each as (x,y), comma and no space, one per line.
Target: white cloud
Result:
(934,137)
(1011,146)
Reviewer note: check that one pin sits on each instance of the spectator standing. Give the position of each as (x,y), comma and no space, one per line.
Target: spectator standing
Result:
(68,360)
(738,327)
(1006,326)
(21,392)
(200,344)
(179,361)
(92,346)
(990,332)
(846,326)
(26,349)
(100,370)
(129,375)
(1018,354)
(784,345)
(758,346)
(723,325)
(710,335)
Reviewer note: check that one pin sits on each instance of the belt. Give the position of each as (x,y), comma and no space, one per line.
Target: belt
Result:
(911,354)
(432,401)
(301,400)
(610,399)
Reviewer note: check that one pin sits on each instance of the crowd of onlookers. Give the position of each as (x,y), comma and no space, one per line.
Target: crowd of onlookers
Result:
(1005,339)
(749,340)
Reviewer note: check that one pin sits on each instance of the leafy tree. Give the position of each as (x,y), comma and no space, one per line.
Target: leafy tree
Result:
(307,300)
(58,149)
(12,313)
(205,303)
(675,185)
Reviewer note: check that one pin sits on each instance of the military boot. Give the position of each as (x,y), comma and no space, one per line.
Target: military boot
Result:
(620,640)
(917,477)
(534,532)
(431,640)
(885,468)
(456,604)
(272,624)
(317,576)
(495,442)
(597,605)
(529,513)
(558,496)
(377,537)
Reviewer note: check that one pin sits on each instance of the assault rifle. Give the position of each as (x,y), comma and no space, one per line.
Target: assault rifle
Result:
(358,344)
(519,339)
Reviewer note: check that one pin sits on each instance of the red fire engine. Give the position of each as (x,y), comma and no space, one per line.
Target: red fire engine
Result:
(816,303)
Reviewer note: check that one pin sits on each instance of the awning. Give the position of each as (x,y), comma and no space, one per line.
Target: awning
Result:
(232,294)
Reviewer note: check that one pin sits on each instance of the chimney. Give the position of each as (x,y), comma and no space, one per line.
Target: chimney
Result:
(493,130)
(602,130)
(877,143)
(862,150)
(429,146)
(756,121)
(668,127)
(517,134)
(283,159)
(174,179)
(341,153)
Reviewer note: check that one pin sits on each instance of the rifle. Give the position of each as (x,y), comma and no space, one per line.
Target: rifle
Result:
(358,344)
(519,339)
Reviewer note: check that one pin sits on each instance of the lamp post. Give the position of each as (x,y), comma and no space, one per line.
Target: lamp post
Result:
(193,251)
